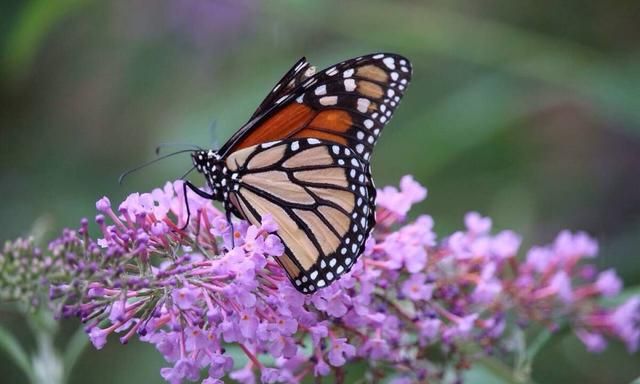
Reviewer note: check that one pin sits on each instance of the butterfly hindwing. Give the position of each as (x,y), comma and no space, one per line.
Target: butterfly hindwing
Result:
(348,104)
(319,194)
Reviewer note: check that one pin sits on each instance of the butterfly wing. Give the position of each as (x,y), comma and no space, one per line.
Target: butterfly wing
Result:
(320,195)
(348,104)
(299,72)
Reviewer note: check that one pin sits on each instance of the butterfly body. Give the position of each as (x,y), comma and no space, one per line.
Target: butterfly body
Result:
(304,158)
(220,180)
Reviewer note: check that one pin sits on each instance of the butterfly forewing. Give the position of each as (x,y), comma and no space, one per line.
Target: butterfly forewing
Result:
(299,72)
(348,104)
(318,193)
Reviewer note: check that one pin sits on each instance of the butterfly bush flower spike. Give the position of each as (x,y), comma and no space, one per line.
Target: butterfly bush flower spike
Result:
(196,298)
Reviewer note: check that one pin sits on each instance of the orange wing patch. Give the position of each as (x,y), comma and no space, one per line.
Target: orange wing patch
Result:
(283,124)
(370,89)
(373,72)
(325,124)
(300,121)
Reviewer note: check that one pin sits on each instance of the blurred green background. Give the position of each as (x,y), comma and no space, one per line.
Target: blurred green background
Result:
(526,111)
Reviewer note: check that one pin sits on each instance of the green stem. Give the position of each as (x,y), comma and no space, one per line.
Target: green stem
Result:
(48,368)
(46,364)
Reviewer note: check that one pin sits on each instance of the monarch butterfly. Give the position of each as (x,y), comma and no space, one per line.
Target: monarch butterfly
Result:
(303,157)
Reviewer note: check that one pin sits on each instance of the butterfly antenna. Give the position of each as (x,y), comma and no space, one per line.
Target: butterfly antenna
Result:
(165,145)
(148,163)
(187,173)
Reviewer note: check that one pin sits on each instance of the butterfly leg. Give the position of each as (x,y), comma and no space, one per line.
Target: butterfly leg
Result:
(228,208)
(199,192)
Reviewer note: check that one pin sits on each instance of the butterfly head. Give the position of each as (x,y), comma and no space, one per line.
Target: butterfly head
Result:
(210,164)
(204,159)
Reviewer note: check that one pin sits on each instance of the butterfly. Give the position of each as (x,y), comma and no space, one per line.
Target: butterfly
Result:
(304,158)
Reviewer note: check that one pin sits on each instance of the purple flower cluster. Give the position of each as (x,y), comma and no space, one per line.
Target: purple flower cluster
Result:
(23,269)
(414,307)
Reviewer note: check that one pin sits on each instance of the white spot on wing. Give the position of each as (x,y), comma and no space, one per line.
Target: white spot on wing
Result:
(321,90)
(269,144)
(349,85)
(363,104)
(389,62)
(329,100)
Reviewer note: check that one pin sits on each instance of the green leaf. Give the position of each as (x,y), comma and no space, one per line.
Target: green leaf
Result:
(536,345)
(495,371)
(14,350)
(481,374)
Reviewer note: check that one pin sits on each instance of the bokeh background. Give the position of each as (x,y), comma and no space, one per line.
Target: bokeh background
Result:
(526,111)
